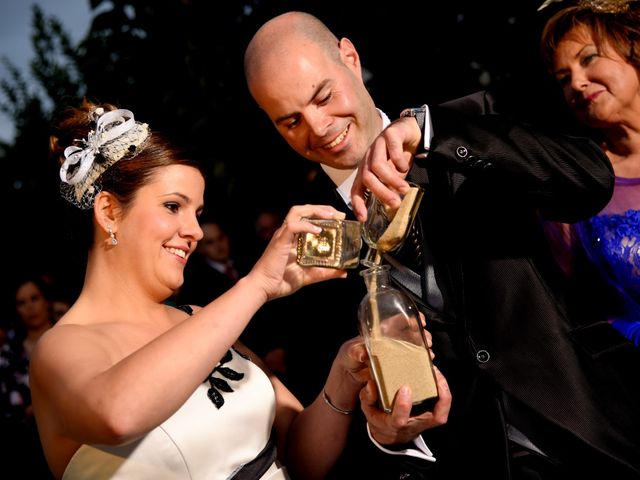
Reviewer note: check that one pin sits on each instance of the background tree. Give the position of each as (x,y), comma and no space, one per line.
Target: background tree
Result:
(34,229)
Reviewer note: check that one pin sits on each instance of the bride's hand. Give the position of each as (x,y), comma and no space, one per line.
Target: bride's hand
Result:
(277,269)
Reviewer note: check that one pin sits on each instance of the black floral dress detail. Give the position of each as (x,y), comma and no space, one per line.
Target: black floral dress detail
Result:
(217,384)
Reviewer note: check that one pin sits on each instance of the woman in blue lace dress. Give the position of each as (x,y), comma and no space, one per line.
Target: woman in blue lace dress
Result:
(593,49)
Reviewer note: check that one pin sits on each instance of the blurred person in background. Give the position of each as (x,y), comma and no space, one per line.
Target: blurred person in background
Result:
(211,271)
(22,451)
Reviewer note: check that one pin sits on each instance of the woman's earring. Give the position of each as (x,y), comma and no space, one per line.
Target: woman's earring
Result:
(114,240)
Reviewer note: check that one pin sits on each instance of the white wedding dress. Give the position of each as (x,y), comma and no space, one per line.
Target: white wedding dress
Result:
(199,441)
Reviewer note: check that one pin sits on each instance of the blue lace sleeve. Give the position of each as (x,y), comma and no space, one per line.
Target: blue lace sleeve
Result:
(612,242)
(628,328)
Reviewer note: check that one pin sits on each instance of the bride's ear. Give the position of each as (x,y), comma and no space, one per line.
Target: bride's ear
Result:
(106,213)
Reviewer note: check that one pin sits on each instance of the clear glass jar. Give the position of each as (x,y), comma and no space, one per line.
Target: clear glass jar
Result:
(397,345)
(337,246)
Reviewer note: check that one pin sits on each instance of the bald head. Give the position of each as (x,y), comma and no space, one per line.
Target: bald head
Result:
(310,85)
(276,36)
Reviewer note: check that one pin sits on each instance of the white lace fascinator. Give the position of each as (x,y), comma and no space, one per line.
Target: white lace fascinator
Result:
(116,136)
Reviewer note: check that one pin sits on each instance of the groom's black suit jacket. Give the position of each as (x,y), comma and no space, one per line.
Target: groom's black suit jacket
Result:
(518,343)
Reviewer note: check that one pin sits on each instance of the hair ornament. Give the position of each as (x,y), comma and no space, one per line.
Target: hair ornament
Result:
(599,6)
(117,135)
(95,114)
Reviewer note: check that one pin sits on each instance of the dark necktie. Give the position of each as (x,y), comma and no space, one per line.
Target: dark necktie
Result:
(230,272)
(412,267)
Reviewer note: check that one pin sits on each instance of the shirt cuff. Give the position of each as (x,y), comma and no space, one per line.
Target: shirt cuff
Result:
(421,451)
(427,134)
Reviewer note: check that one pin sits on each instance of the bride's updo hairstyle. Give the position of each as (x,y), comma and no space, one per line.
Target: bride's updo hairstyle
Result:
(101,147)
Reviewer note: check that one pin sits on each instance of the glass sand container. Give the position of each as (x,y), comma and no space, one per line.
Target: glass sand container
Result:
(337,246)
(386,229)
(396,342)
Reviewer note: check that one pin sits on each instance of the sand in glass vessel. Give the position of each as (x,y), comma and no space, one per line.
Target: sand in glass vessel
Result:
(386,228)
(396,342)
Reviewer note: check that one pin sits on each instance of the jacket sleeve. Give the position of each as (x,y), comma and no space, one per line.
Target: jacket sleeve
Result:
(566,178)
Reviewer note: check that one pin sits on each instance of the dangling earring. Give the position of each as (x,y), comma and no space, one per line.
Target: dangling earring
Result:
(114,240)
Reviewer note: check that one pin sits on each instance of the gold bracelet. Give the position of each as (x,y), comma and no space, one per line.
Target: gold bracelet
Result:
(332,406)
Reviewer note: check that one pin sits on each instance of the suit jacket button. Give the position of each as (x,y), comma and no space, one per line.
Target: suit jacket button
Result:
(483,356)
(462,152)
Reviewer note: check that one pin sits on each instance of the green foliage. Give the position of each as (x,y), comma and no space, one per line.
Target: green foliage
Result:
(29,182)
(55,63)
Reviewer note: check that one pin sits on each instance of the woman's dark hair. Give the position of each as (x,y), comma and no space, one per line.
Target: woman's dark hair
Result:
(125,177)
(42,282)
(44,285)
(621,30)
